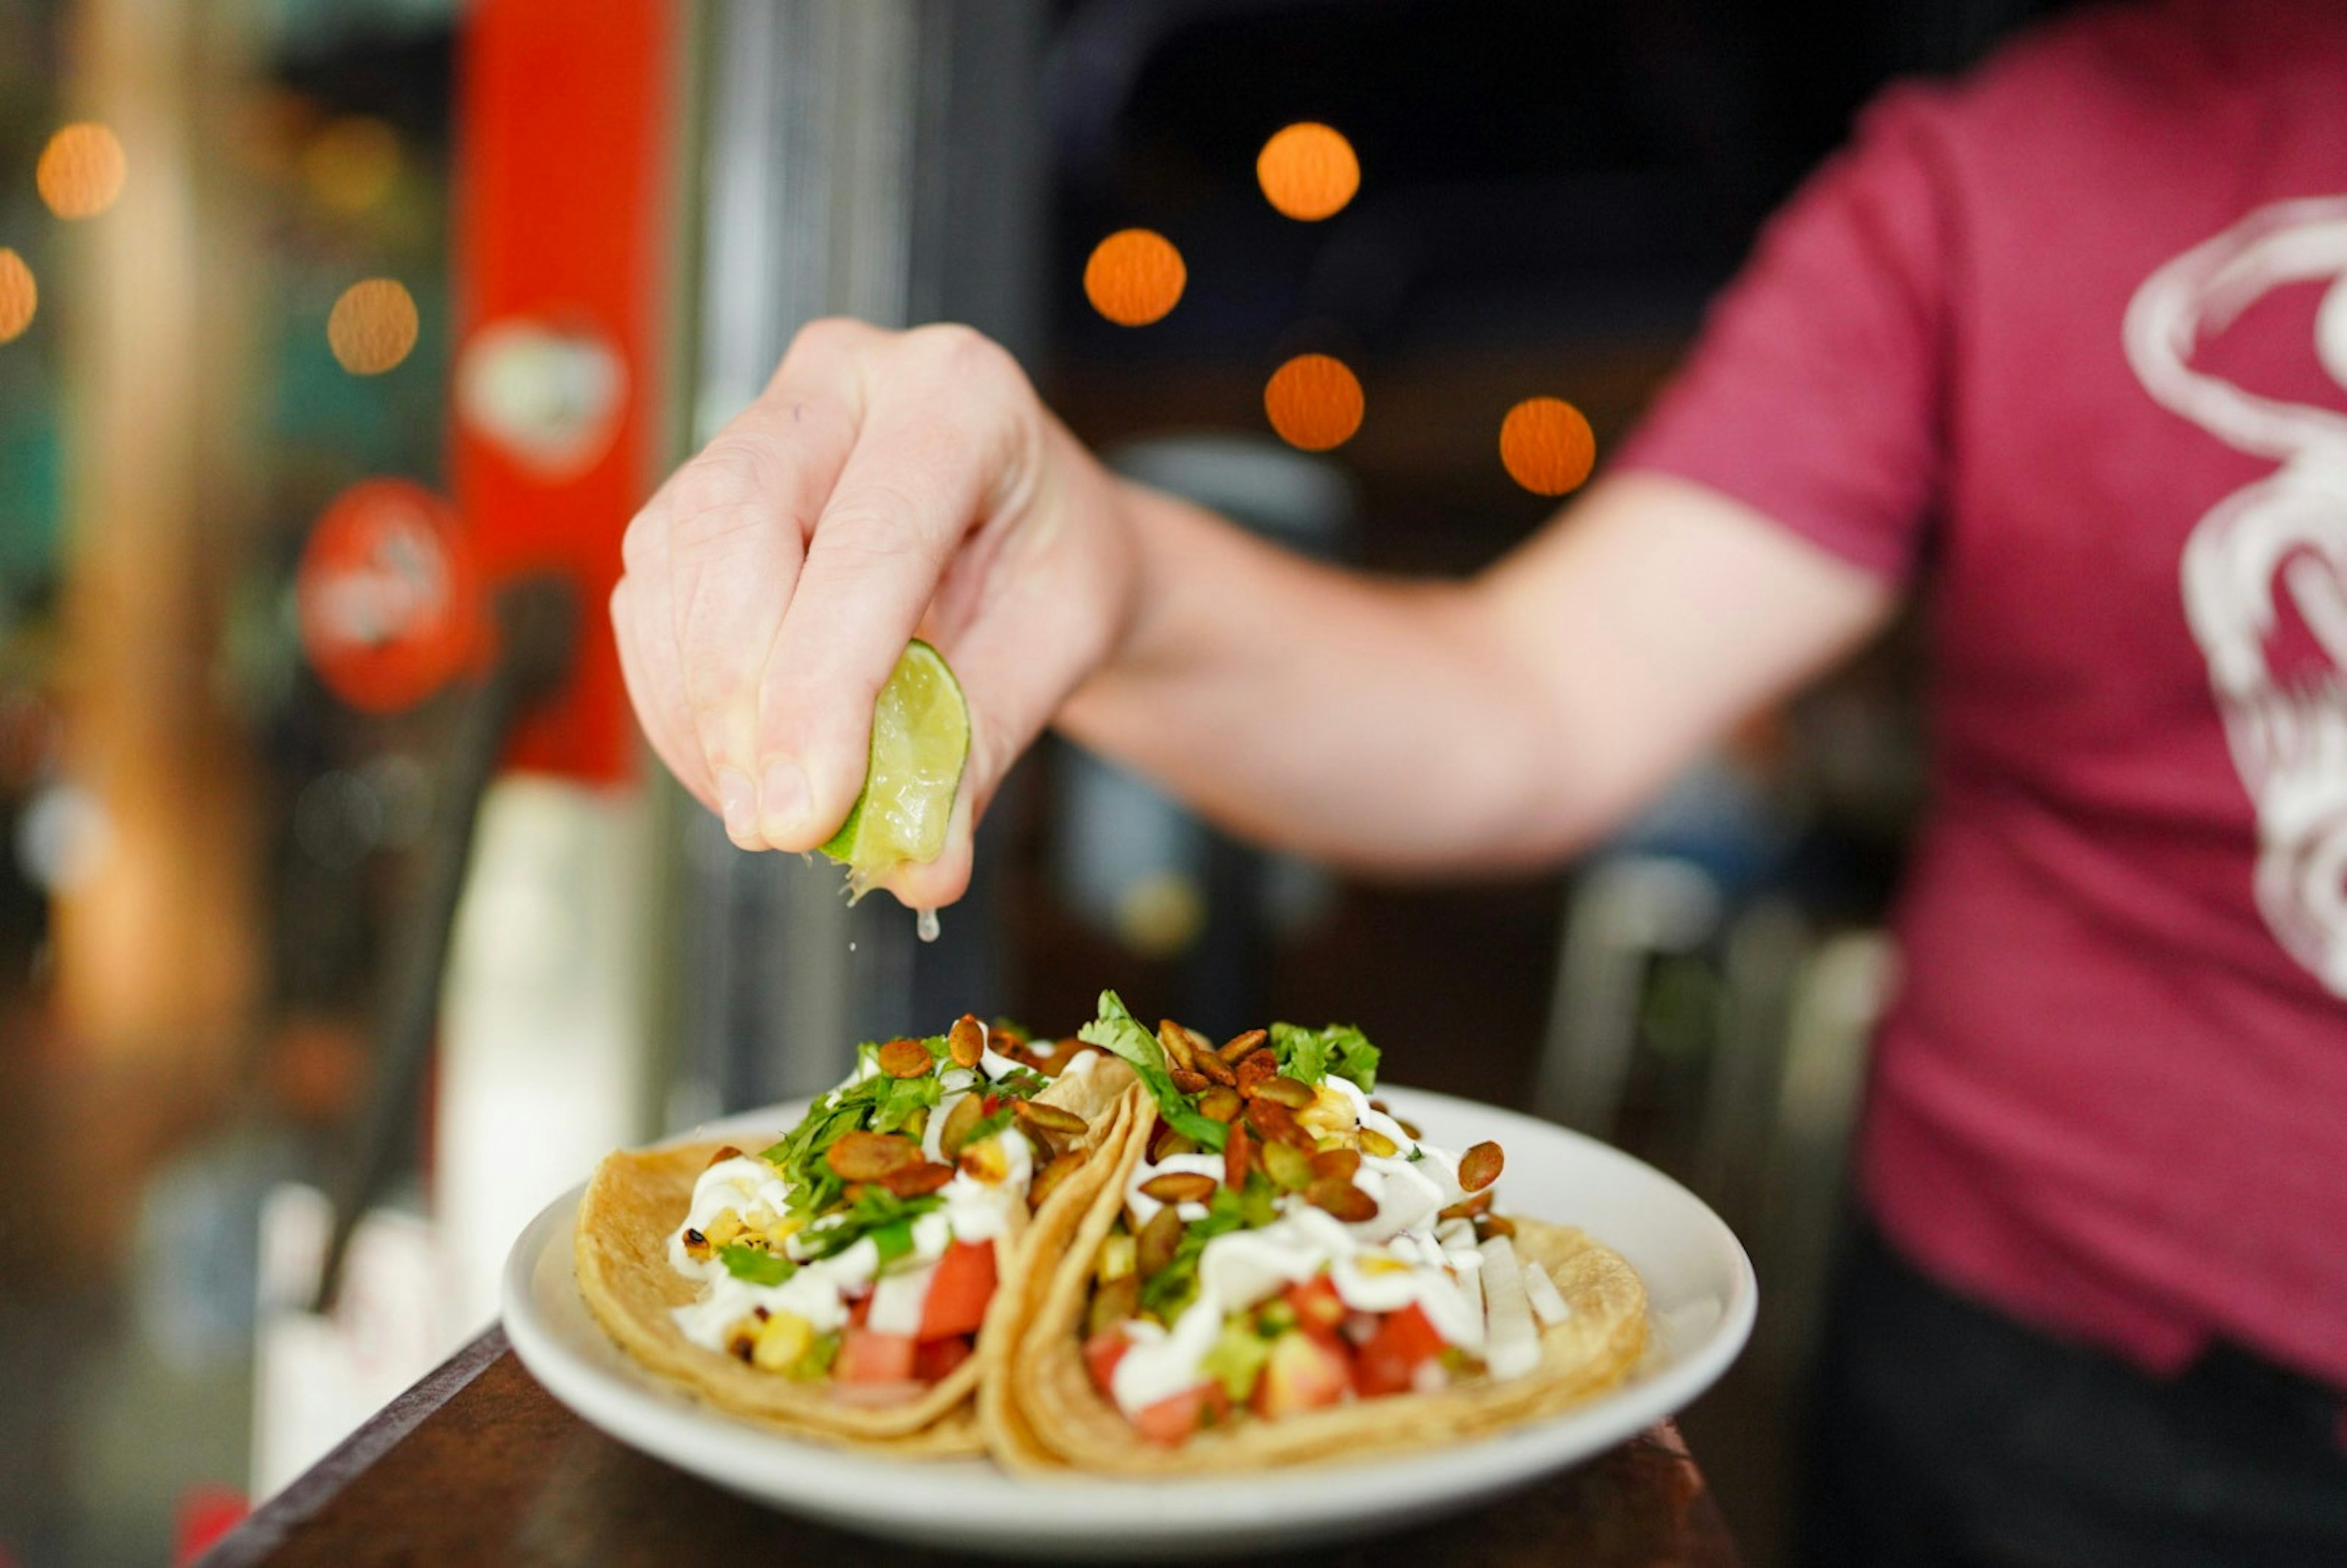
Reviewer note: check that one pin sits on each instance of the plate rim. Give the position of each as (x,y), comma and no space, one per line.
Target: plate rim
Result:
(1202,1510)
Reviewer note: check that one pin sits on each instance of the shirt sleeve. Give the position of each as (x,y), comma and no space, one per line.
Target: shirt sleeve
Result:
(1816,390)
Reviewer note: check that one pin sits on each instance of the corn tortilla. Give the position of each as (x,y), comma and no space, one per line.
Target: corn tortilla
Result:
(636,1201)
(1052,1417)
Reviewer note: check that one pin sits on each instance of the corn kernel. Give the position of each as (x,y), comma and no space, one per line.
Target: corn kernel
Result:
(986,1162)
(1330,1112)
(783,1338)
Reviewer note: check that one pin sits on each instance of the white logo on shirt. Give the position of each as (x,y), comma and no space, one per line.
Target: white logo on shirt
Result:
(2279,543)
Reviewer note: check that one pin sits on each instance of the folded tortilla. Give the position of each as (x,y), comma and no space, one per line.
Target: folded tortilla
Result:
(637,1199)
(1050,1416)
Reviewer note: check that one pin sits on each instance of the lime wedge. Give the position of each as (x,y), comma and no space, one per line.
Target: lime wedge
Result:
(920,739)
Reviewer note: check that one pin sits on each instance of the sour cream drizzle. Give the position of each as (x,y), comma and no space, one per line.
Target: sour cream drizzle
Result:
(1403,1255)
(972,1210)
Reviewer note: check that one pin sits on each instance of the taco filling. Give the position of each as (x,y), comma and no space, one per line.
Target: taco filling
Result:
(1285,1244)
(862,1249)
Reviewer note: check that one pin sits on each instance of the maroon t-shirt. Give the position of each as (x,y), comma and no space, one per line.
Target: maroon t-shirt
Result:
(2062,347)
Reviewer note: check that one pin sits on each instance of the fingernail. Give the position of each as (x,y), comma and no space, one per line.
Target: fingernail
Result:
(737,799)
(783,799)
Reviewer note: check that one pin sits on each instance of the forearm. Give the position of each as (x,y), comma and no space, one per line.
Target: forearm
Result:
(1361,720)
(1499,723)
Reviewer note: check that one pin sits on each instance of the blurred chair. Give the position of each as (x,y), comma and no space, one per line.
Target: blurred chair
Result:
(1799,1180)
(1763,1135)
(1622,915)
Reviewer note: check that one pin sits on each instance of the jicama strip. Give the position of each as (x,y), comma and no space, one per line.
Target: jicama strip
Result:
(1511,1347)
(1547,1304)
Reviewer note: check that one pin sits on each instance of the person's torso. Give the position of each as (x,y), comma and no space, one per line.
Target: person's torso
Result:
(2130,921)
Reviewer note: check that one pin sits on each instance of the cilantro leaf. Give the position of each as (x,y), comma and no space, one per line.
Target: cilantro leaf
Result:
(756,1266)
(1169,1292)
(1309,1055)
(895,1100)
(987,1126)
(877,1213)
(1117,1032)
(1023,1081)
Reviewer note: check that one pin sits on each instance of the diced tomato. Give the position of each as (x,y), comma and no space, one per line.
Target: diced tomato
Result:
(1103,1351)
(1172,1420)
(1318,1307)
(934,1359)
(868,1358)
(1305,1372)
(1388,1362)
(860,1310)
(959,1291)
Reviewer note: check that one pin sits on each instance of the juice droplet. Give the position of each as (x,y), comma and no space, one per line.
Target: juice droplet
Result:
(926,924)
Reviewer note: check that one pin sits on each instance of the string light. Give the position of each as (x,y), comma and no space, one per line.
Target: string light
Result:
(1308,171)
(373,326)
(20,296)
(1134,277)
(82,171)
(1314,402)
(1547,446)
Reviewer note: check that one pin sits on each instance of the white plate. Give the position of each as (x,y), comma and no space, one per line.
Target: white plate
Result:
(1697,1278)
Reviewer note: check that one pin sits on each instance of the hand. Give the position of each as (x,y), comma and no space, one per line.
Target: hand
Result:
(883,485)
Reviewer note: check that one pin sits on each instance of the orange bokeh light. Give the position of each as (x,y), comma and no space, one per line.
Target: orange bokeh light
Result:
(1308,171)
(81,170)
(1134,277)
(1314,402)
(19,296)
(373,326)
(1547,446)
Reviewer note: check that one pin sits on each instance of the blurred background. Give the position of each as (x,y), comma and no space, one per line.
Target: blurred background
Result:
(342,921)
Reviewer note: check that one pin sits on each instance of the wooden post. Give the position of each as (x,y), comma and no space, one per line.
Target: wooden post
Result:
(157,953)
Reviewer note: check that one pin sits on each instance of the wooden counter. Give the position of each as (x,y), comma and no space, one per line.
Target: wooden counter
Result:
(478,1464)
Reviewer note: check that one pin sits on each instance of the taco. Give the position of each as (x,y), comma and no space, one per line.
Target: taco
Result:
(855,1281)
(1274,1269)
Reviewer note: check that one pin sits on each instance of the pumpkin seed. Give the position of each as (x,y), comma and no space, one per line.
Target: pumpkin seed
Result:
(1219,1103)
(1342,1199)
(1241,1045)
(1179,1187)
(1049,1118)
(1339,1163)
(967,1112)
(862,1156)
(1153,1248)
(1276,1123)
(1113,1303)
(1286,1092)
(918,1180)
(1249,1071)
(1236,1150)
(966,1041)
(906,1059)
(1479,1167)
(1049,1179)
(1288,1167)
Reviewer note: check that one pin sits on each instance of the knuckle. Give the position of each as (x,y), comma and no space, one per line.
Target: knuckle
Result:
(825,335)
(731,487)
(953,347)
(878,525)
